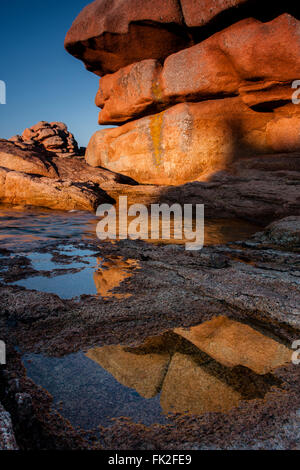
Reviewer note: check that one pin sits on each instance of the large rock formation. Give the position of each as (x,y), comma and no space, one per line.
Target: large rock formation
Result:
(53,137)
(21,188)
(26,158)
(231,64)
(110,34)
(33,172)
(228,63)
(184,142)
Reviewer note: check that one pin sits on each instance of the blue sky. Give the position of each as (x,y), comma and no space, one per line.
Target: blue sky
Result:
(44,82)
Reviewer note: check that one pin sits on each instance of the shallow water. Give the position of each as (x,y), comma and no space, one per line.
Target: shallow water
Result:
(95,276)
(171,373)
(19,227)
(26,229)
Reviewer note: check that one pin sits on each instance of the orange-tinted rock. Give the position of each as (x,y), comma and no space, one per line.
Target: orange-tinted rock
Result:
(76,169)
(27,160)
(232,343)
(24,189)
(266,95)
(227,64)
(53,137)
(110,34)
(266,51)
(201,12)
(184,143)
(283,134)
(127,93)
(245,52)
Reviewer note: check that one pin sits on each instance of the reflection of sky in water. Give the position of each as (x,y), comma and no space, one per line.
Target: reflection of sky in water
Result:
(96,277)
(65,286)
(20,227)
(165,374)
(90,395)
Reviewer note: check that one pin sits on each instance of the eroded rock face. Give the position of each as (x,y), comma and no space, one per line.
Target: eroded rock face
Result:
(228,63)
(230,49)
(20,188)
(199,13)
(32,175)
(53,137)
(184,143)
(284,232)
(102,32)
(129,92)
(27,159)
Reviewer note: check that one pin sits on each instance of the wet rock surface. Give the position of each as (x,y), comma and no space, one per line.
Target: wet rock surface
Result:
(254,283)
(187,350)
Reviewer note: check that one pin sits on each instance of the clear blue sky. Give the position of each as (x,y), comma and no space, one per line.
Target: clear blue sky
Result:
(44,82)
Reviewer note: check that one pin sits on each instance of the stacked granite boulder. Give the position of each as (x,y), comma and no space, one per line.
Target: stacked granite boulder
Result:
(45,168)
(53,137)
(194,85)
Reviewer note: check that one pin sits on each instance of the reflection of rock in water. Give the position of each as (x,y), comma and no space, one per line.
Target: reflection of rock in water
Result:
(111,274)
(188,387)
(144,373)
(232,343)
(189,379)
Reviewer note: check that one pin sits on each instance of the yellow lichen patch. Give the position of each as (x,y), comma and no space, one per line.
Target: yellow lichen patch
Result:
(156,122)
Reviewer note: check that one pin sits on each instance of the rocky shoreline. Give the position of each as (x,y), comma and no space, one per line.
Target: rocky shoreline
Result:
(206,101)
(255,282)
(260,189)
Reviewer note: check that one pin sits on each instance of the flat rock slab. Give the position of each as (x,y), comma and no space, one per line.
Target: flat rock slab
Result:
(26,159)
(24,189)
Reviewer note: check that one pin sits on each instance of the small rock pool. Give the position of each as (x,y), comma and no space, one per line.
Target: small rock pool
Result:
(183,371)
